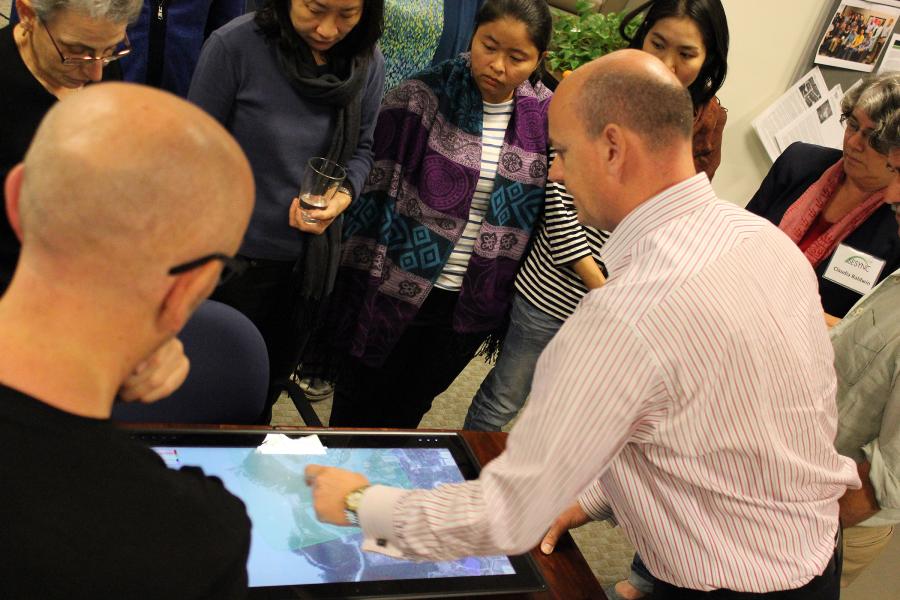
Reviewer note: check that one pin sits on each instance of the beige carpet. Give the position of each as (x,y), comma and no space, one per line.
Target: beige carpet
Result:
(604,547)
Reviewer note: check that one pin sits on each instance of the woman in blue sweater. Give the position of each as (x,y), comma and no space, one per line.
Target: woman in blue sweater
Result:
(295,80)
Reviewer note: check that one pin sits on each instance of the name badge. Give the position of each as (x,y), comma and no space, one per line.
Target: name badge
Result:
(853,269)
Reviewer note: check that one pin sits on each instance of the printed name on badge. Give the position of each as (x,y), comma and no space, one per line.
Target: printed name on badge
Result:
(853,269)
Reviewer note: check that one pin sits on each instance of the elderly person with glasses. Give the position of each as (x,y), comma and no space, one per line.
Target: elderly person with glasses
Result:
(832,202)
(57,48)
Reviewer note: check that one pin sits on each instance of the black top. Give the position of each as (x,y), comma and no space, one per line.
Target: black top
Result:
(23,103)
(800,166)
(85,512)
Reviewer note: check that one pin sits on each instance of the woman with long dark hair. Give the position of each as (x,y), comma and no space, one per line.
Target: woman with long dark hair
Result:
(435,241)
(295,80)
(691,38)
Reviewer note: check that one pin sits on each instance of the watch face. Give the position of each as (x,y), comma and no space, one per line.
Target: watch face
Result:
(353,499)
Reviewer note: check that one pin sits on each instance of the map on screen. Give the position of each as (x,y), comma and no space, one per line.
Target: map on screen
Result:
(290,546)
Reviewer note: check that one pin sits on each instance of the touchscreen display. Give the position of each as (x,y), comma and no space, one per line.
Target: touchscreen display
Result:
(290,546)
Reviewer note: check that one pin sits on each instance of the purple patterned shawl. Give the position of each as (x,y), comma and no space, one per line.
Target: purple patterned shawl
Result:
(401,230)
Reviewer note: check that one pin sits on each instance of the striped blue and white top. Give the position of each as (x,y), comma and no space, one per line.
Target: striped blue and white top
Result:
(545,279)
(496,120)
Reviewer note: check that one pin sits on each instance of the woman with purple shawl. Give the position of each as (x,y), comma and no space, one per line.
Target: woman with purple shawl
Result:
(433,243)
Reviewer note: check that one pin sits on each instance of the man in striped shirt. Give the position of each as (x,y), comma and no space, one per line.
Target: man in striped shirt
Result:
(691,398)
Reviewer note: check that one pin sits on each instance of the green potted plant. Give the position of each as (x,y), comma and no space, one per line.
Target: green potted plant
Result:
(582,37)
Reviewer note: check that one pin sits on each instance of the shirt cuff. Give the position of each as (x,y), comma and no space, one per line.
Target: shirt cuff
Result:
(376,511)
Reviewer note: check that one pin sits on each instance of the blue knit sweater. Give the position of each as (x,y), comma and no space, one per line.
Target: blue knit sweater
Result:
(238,81)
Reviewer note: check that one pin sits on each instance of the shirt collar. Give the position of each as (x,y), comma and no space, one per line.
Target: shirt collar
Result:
(668,205)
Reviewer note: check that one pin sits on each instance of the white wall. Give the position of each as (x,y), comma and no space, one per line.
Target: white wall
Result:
(768,40)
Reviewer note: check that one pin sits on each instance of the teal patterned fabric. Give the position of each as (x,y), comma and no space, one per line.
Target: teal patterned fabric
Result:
(401,230)
(412,29)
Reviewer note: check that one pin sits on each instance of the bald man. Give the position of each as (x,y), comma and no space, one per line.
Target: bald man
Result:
(691,397)
(114,260)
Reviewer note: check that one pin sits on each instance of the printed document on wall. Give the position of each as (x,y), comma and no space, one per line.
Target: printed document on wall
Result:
(819,124)
(804,94)
(891,60)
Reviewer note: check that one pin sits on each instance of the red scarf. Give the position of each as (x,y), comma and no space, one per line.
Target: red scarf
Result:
(806,209)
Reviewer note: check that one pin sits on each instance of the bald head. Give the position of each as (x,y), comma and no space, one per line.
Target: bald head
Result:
(124,180)
(633,89)
(621,126)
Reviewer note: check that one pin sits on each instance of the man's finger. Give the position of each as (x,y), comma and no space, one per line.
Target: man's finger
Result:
(548,544)
(158,391)
(292,212)
(311,472)
(322,214)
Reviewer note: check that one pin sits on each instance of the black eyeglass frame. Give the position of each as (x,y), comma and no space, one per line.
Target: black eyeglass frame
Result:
(848,120)
(872,136)
(73,61)
(233,265)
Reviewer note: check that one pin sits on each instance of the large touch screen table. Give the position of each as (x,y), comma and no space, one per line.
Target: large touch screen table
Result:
(293,555)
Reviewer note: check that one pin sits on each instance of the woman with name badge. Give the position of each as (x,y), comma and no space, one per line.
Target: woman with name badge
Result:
(295,81)
(831,202)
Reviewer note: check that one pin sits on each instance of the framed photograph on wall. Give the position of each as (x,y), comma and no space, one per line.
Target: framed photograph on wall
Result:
(856,35)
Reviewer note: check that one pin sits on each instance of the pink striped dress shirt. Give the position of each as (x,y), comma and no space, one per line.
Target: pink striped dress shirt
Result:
(691,399)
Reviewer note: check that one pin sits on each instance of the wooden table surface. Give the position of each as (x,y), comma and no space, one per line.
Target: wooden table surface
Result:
(566,571)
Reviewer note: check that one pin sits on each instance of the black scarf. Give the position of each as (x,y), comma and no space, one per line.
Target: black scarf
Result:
(341,87)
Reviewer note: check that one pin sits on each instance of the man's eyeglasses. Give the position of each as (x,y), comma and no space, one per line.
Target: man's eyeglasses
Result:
(124,50)
(233,266)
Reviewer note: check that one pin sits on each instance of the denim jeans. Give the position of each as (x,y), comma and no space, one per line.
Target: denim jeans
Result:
(640,576)
(505,389)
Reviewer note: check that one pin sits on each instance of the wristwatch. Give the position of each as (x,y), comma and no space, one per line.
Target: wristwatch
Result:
(351,505)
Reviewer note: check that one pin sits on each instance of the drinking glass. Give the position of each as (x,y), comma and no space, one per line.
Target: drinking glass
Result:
(321,180)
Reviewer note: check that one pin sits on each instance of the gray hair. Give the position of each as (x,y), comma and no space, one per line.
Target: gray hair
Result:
(887,138)
(658,111)
(878,96)
(117,11)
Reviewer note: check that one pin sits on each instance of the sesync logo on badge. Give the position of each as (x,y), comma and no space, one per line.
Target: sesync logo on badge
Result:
(853,269)
(858,262)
